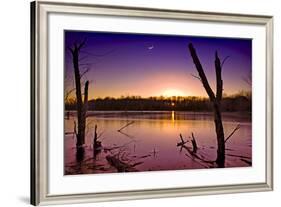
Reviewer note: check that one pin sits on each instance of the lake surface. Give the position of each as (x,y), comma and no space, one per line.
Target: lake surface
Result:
(149,142)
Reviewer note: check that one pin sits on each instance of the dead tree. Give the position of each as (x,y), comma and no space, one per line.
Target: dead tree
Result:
(215,99)
(81,105)
(194,144)
(97,146)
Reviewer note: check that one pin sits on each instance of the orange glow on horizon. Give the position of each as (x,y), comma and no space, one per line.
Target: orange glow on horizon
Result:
(173,92)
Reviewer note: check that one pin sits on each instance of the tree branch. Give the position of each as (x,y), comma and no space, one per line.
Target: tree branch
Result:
(201,72)
(218,77)
(68,93)
(71,50)
(82,44)
(230,135)
(224,61)
(194,76)
(98,55)
(194,144)
(125,126)
(86,71)
(86,96)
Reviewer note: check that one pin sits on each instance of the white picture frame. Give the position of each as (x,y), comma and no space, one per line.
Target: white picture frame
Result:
(49,186)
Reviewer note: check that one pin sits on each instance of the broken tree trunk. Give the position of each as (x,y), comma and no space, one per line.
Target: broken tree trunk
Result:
(182,141)
(194,144)
(95,136)
(81,106)
(193,153)
(96,144)
(220,136)
(215,99)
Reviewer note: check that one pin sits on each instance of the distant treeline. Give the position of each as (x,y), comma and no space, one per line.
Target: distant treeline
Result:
(238,102)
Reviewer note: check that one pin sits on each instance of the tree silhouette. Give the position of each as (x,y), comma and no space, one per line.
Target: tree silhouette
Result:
(81,105)
(215,99)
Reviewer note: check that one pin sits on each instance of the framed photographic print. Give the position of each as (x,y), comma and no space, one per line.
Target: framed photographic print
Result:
(132,103)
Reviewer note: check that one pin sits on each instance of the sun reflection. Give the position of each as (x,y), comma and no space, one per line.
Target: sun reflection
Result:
(173,116)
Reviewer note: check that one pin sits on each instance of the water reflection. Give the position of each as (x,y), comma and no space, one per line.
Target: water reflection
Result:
(80,152)
(150,142)
(173,116)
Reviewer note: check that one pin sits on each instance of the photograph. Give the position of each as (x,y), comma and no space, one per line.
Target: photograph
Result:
(132,103)
(136,102)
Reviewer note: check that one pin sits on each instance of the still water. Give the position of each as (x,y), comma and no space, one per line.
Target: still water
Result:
(148,141)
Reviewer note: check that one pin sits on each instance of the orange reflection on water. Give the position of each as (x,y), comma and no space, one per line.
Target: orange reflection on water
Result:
(152,140)
(173,116)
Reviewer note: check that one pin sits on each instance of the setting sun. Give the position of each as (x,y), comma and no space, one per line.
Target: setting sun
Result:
(173,92)
(137,103)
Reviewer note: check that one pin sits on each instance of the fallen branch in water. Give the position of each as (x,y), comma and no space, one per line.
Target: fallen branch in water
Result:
(137,163)
(246,161)
(118,146)
(182,141)
(194,144)
(193,153)
(196,161)
(144,156)
(118,164)
(127,135)
(240,156)
(125,126)
(230,135)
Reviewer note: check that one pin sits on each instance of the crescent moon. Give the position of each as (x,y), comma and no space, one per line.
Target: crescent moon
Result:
(150,47)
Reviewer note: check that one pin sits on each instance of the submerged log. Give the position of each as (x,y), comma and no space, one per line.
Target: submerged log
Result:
(122,166)
(118,164)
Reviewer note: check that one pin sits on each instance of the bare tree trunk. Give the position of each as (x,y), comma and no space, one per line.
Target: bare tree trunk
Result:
(215,99)
(81,107)
(220,136)
(83,112)
(194,144)
(95,142)
(80,139)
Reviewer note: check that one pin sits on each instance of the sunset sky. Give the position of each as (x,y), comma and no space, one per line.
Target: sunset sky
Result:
(154,65)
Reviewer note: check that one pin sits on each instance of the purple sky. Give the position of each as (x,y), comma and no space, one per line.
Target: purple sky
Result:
(154,65)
